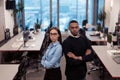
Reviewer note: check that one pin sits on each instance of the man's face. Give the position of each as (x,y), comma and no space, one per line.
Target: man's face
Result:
(74,28)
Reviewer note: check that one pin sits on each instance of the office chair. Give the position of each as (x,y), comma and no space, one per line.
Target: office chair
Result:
(93,66)
(15,30)
(96,65)
(84,22)
(22,69)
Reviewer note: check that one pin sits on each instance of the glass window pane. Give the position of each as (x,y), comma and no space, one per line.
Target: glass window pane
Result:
(100,6)
(39,10)
(18,15)
(90,11)
(45,14)
(67,13)
(54,13)
(32,13)
(81,11)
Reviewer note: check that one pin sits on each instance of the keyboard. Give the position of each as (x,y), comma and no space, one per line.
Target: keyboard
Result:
(117,59)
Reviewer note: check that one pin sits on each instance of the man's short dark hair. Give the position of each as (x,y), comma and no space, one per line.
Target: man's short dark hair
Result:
(73,21)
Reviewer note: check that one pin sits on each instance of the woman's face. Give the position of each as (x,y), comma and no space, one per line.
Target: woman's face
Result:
(54,35)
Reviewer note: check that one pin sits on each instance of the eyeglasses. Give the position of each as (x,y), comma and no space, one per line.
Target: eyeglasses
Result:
(54,34)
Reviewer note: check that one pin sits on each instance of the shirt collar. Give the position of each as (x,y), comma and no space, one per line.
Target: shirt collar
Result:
(75,36)
(54,44)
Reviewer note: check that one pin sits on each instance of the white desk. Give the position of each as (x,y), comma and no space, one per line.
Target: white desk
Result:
(35,44)
(16,43)
(106,58)
(8,71)
(94,38)
(12,44)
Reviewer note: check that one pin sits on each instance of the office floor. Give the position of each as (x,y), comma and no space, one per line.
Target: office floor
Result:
(39,75)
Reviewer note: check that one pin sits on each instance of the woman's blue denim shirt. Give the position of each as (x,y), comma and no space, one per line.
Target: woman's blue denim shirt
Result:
(52,56)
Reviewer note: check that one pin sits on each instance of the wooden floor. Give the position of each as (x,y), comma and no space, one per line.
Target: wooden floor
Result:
(39,75)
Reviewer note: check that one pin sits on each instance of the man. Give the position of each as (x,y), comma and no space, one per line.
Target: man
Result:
(77,51)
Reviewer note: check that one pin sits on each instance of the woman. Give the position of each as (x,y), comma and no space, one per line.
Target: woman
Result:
(52,56)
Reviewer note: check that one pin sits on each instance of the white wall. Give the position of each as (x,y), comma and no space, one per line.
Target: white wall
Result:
(6,19)
(9,20)
(112,13)
(2,20)
(107,10)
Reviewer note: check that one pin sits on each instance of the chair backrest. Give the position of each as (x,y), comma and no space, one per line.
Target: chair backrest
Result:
(106,30)
(15,31)
(84,22)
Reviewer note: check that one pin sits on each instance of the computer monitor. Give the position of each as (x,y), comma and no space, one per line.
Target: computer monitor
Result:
(118,39)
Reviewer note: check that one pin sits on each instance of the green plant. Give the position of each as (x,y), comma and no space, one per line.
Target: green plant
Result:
(102,16)
(37,25)
(99,28)
(109,38)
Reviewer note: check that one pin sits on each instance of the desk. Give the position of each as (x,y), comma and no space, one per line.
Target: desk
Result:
(35,44)
(94,38)
(8,71)
(12,44)
(106,58)
(16,43)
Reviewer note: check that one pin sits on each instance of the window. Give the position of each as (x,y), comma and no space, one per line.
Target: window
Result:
(90,11)
(100,6)
(54,13)
(32,12)
(68,10)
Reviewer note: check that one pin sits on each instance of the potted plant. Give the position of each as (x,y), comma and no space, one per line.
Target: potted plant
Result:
(99,28)
(109,38)
(37,26)
(101,17)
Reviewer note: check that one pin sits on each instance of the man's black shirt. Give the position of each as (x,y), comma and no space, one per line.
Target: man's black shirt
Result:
(78,46)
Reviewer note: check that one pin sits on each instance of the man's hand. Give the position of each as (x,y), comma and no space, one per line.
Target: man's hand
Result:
(71,55)
(88,51)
